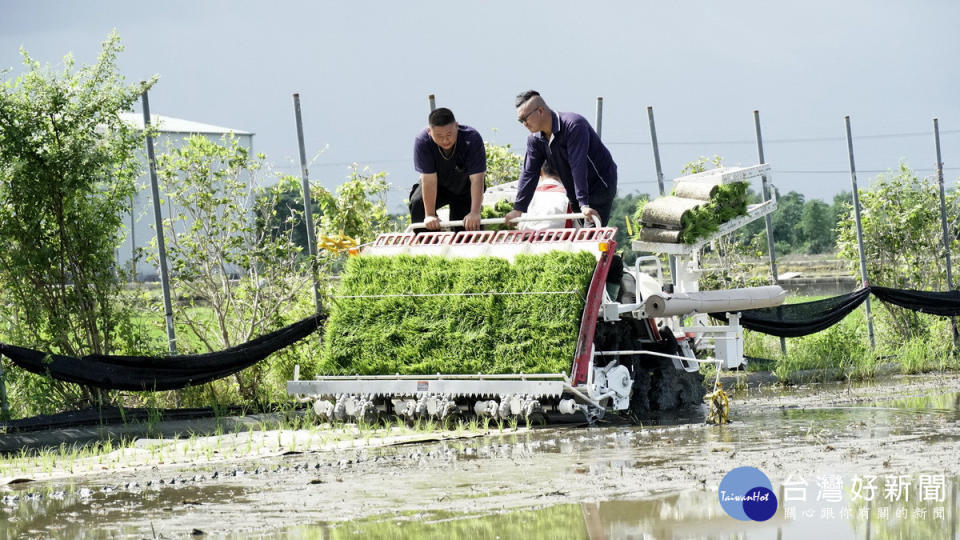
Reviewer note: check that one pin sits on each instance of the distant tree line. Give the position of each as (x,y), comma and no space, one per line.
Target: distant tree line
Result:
(800,225)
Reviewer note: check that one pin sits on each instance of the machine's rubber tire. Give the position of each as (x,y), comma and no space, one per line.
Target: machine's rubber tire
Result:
(658,385)
(640,392)
(665,385)
(691,389)
(612,336)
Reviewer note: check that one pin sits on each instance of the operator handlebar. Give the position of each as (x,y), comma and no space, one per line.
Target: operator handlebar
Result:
(499,220)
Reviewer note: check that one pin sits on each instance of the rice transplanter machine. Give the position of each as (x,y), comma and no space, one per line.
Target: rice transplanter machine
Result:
(636,349)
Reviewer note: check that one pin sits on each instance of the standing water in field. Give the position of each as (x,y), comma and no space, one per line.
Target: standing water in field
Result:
(612,481)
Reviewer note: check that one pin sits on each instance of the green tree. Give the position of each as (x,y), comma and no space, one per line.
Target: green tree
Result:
(239,275)
(357,208)
(817,224)
(234,252)
(503,165)
(67,172)
(902,237)
(786,220)
(287,214)
(841,207)
(622,216)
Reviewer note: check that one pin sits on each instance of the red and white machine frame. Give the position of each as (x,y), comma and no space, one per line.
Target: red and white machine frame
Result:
(581,389)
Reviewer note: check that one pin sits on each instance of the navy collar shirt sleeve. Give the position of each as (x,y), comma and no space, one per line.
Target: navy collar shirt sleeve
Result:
(586,168)
(537,149)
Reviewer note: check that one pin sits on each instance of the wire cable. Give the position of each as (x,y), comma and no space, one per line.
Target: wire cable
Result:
(792,140)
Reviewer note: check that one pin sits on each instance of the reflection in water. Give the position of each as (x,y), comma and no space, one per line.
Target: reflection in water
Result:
(72,511)
(484,471)
(946,403)
(690,514)
(560,521)
(934,517)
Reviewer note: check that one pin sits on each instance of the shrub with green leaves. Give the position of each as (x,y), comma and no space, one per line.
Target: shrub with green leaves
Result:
(429,314)
(67,174)
(500,209)
(503,164)
(902,239)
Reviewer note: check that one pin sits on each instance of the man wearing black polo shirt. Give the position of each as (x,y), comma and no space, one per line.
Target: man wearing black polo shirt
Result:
(572,147)
(452,163)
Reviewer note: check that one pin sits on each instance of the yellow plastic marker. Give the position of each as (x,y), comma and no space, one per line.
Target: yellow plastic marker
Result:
(336,243)
(719,404)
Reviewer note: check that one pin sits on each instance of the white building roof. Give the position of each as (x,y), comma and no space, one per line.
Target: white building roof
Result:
(168,124)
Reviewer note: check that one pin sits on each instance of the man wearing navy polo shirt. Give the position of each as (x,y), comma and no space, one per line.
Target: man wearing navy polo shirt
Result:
(452,163)
(572,147)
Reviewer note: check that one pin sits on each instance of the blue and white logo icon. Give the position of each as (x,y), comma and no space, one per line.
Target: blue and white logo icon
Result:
(746,494)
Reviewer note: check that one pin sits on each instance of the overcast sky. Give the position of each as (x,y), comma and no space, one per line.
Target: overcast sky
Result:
(364,70)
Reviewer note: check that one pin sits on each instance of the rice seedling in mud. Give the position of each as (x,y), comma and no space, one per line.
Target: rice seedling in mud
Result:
(434,315)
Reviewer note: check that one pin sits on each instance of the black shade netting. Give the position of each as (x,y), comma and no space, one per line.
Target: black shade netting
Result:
(159,372)
(946,303)
(795,320)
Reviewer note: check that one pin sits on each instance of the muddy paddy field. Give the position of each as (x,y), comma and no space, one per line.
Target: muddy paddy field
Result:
(875,460)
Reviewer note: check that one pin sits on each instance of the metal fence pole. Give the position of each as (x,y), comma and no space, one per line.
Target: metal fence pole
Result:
(599,122)
(133,237)
(433,102)
(656,148)
(4,404)
(765,188)
(856,216)
(656,161)
(158,221)
(307,203)
(943,222)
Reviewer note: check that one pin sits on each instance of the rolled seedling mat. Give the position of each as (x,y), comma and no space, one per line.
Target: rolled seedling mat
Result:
(703,191)
(660,236)
(668,211)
